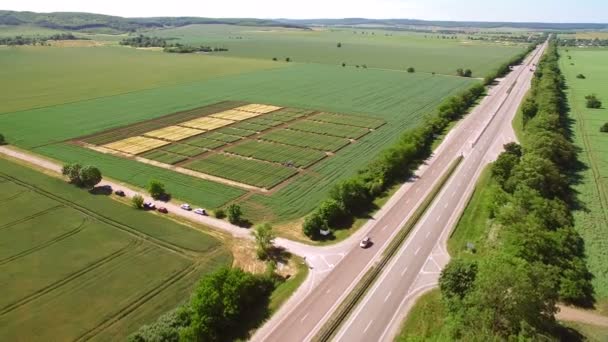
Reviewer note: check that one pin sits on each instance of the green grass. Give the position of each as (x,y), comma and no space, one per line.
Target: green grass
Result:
(71,261)
(163,157)
(591,221)
(305,139)
(348,120)
(472,226)
(282,293)
(397,51)
(592,333)
(183,149)
(250,126)
(425,321)
(204,142)
(236,131)
(227,138)
(300,157)
(248,171)
(48,76)
(326,128)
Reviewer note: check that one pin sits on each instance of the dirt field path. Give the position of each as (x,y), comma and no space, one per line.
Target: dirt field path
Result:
(567,313)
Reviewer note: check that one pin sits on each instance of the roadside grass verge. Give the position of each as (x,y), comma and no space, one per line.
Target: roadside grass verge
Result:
(425,320)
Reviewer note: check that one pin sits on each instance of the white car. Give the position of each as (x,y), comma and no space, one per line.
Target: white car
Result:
(200,211)
(366,242)
(185,206)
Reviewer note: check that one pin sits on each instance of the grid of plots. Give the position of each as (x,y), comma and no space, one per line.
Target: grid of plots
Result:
(253,144)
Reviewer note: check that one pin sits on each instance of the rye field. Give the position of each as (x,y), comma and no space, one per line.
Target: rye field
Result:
(81,266)
(592,219)
(375,48)
(317,98)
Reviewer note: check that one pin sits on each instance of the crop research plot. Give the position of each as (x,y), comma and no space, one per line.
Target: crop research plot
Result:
(229,144)
(66,257)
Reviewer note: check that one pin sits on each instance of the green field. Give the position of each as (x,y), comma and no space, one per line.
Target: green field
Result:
(326,128)
(305,139)
(382,49)
(48,76)
(299,157)
(248,171)
(74,265)
(592,219)
(164,157)
(389,101)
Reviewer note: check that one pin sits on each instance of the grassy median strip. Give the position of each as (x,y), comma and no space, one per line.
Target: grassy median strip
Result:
(342,312)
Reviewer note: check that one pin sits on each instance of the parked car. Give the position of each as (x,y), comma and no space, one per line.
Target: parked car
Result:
(186,206)
(200,211)
(150,205)
(366,242)
(162,210)
(119,193)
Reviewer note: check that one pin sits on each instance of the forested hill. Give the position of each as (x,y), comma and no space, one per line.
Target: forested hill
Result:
(443,24)
(87,21)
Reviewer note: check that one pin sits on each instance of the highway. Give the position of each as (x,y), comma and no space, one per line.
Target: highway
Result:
(417,265)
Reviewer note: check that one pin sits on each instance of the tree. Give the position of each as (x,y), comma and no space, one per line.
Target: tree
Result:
(90,176)
(352,195)
(339,45)
(72,171)
(411,70)
(313,225)
(234,213)
(457,280)
(467,73)
(331,211)
(343,64)
(264,237)
(274,59)
(156,189)
(137,201)
(604,128)
(2,140)
(459,72)
(287,59)
(580,76)
(219,213)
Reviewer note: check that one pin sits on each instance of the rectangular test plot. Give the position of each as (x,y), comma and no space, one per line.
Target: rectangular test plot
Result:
(305,139)
(344,131)
(136,145)
(248,171)
(352,120)
(284,154)
(164,157)
(207,123)
(235,115)
(173,133)
(258,108)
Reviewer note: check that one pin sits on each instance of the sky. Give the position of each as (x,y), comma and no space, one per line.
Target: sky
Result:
(588,11)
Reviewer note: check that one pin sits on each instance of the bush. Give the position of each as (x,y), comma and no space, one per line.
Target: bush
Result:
(287,59)
(581,76)
(274,59)
(137,201)
(593,102)
(313,225)
(339,45)
(411,70)
(219,213)
(604,128)
(156,189)
(72,171)
(2,140)
(343,64)
(89,176)
(234,213)
(468,73)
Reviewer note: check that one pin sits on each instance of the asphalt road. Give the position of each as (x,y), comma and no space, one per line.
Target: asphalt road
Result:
(373,319)
(417,265)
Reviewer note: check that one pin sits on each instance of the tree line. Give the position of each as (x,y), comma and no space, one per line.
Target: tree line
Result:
(582,42)
(37,40)
(145,41)
(354,196)
(505,68)
(536,257)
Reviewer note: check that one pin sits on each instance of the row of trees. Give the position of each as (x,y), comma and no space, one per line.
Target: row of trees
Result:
(353,197)
(537,257)
(593,102)
(505,68)
(224,306)
(36,40)
(146,41)
(464,73)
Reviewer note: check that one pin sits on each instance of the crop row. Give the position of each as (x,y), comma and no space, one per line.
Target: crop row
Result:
(344,131)
(284,154)
(352,120)
(185,150)
(235,131)
(206,142)
(164,157)
(305,139)
(248,171)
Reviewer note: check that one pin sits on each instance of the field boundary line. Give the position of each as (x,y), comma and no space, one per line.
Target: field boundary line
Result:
(345,308)
(74,275)
(33,216)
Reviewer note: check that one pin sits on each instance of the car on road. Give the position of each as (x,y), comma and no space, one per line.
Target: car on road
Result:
(200,211)
(186,206)
(119,193)
(366,242)
(149,205)
(162,210)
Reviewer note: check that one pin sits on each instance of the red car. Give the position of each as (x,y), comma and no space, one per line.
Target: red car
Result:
(162,210)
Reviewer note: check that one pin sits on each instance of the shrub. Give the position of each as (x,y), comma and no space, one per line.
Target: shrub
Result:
(72,171)
(343,64)
(411,70)
(593,102)
(219,213)
(234,213)
(2,140)
(468,73)
(89,176)
(604,128)
(287,59)
(339,45)
(581,76)
(156,189)
(274,59)
(313,225)
(137,201)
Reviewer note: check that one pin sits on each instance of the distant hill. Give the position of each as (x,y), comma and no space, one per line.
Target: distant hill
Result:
(87,21)
(442,24)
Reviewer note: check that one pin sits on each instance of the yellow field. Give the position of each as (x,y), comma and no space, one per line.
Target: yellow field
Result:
(136,145)
(206,123)
(258,108)
(173,133)
(235,115)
